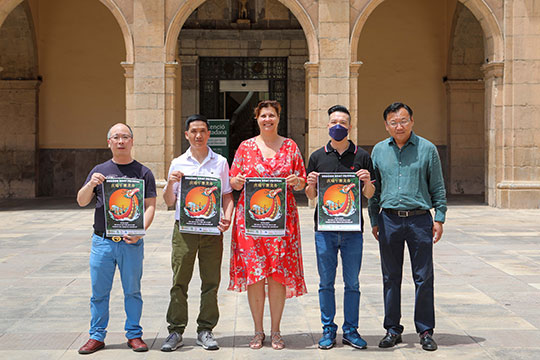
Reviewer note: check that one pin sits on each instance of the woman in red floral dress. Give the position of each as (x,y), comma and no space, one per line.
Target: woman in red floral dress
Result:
(276,260)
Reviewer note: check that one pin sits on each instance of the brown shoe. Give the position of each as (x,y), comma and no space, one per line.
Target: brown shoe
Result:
(137,345)
(91,346)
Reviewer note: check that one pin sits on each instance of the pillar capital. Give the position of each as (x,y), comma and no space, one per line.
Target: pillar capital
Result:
(170,69)
(494,69)
(354,68)
(312,69)
(128,69)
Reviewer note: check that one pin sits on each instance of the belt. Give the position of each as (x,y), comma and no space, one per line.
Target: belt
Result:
(406,213)
(102,234)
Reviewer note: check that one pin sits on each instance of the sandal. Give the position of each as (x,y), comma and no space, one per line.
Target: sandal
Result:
(277,341)
(257,341)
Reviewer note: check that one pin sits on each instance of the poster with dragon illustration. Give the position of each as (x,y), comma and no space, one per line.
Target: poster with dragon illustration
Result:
(339,203)
(265,206)
(199,202)
(124,206)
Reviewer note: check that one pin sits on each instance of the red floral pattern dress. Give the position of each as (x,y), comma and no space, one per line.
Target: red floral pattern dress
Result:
(254,258)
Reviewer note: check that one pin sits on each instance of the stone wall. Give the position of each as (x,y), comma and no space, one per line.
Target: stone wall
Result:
(18,106)
(225,14)
(466,131)
(18,138)
(62,172)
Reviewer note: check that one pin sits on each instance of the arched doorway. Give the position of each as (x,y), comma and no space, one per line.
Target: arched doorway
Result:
(400,47)
(230,61)
(409,61)
(81,88)
(273,29)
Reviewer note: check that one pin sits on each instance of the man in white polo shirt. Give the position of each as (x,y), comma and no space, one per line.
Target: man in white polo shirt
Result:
(199,159)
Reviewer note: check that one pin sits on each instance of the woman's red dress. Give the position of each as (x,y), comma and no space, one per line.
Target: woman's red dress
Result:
(254,258)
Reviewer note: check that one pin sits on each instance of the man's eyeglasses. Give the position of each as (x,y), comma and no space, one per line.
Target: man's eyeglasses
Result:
(402,122)
(118,137)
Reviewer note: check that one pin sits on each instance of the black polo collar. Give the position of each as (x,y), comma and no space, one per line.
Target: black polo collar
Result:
(352,148)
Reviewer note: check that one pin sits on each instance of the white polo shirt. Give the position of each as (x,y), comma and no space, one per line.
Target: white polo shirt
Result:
(213,165)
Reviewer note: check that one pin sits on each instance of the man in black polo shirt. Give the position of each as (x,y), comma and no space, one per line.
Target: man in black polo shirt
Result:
(127,252)
(339,155)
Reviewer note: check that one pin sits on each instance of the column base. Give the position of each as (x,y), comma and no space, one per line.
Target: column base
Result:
(160,203)
(518,195)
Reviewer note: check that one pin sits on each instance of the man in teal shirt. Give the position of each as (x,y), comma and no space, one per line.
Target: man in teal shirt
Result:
(409,183)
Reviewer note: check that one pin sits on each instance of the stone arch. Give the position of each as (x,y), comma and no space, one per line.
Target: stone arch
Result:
(6,6)
(181,15)
(482,12)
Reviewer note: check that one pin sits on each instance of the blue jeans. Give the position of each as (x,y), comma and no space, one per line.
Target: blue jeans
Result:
(417,232)
(104,257)
(350,245)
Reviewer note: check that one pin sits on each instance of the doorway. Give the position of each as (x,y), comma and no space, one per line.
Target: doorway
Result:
(231,87)
(238,99)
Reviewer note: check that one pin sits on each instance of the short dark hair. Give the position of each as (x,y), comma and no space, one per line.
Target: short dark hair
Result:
(394,107)
(339,108)
(196,117)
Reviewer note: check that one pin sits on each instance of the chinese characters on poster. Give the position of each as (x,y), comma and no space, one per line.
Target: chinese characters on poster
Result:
(265,206)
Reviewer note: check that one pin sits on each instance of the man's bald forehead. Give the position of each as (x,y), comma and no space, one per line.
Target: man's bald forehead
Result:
(119,125)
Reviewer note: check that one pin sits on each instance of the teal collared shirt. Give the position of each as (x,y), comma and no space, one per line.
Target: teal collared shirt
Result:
(408,178)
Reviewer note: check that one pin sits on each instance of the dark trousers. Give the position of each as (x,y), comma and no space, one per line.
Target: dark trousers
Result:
(185,248)
(416,231)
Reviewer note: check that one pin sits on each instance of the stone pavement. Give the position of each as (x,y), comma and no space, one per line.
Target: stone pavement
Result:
(487,278)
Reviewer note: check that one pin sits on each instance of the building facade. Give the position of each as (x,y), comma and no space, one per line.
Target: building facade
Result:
(69,69)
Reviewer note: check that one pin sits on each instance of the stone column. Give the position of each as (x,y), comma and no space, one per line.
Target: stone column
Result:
(519,185)
(130,102)
(312,107)
(297,123)
(354,70)
(171,69)
(148,119)
(334,82)
(493,82)
(189,94)
(316,132)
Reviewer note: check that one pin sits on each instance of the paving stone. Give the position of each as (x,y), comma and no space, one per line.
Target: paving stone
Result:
(487,292)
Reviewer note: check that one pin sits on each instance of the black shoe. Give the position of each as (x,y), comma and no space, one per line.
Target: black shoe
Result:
(427,342)
(389,340)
